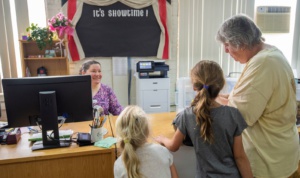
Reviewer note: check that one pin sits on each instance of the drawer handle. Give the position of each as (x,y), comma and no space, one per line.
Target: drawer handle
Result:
(155,106)
(154,82)
(154,90)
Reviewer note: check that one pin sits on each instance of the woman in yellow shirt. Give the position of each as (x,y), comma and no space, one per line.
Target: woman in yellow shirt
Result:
(265,95)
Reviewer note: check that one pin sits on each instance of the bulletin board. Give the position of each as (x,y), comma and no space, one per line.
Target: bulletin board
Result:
(120,30)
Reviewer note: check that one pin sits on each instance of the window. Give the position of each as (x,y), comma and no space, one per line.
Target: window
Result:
(198,22)
(283,41)
(37,12)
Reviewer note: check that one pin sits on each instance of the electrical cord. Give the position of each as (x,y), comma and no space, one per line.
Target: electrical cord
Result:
(62,121)
(112,132)
(65,139)
(129,78)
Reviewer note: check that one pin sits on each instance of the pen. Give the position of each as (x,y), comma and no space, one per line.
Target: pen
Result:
(91,126)
(97,123)
(103,121)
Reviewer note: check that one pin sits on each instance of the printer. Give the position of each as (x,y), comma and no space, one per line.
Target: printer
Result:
(151,69)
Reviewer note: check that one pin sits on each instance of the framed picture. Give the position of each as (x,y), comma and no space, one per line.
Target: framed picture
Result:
(50,53)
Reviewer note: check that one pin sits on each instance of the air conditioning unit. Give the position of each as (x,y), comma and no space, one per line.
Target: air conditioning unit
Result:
(273,19)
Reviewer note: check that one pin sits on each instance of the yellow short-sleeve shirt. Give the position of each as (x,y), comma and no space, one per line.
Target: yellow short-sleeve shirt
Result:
(265,95)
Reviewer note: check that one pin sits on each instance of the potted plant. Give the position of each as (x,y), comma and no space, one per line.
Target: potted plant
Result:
(42,36)
(62,26)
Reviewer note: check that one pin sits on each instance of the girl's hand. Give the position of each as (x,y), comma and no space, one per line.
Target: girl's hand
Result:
(160,139)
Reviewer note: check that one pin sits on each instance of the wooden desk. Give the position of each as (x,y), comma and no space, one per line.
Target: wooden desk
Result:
(89,161)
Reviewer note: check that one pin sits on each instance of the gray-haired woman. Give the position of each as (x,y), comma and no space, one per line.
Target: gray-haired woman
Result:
(265,96)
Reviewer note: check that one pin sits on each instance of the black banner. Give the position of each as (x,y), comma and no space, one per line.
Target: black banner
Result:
(118,30)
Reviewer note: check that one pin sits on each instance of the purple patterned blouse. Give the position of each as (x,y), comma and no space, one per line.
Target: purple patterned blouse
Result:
(107,99)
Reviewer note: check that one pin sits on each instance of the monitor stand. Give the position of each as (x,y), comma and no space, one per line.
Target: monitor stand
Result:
(40,146)
(48,113)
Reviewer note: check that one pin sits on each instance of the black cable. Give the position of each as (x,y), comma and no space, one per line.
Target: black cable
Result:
(64,139)
(37,123)
(112,132)
(129,79)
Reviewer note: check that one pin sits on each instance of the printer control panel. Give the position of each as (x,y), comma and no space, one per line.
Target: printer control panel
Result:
(151,69)
(144,65)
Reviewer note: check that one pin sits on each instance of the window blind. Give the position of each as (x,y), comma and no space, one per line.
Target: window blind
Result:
(198,22)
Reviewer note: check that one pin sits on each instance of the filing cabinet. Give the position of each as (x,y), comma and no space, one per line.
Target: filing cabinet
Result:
(153,94)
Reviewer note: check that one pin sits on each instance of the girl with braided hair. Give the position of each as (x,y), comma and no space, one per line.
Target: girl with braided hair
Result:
(140,159)
(215,130)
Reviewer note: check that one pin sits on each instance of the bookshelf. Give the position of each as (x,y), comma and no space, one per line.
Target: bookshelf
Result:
(34,58)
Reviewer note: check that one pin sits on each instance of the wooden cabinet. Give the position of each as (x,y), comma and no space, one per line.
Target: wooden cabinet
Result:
(33,58)
(153,94)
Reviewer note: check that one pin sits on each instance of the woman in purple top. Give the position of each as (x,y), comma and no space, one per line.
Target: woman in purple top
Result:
(103,94)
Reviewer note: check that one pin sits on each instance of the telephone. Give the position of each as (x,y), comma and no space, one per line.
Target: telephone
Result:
(84,139)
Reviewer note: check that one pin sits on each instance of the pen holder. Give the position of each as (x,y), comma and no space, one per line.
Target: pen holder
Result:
(96,134)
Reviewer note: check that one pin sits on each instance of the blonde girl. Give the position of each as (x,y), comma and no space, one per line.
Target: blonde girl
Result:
(140,159)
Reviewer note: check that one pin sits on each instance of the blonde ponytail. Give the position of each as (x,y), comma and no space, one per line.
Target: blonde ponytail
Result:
(133,129)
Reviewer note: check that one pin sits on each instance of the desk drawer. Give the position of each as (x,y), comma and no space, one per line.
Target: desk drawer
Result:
(150,84)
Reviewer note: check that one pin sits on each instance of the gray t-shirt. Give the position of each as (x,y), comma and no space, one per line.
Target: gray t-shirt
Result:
(216,159)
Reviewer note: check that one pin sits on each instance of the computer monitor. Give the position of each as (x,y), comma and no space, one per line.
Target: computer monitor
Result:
(72,99)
